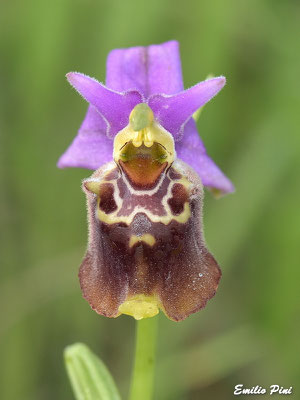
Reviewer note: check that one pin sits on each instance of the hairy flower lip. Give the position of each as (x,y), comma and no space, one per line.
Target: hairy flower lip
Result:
(159,260)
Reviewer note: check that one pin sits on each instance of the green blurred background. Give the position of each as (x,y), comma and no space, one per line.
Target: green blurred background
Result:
(249,333)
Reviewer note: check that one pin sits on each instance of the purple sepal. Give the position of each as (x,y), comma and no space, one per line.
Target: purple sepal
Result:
(173,111)
(150,70)
(191,150)
(91,147)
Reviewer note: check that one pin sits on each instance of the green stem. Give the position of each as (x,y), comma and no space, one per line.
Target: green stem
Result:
(143,372)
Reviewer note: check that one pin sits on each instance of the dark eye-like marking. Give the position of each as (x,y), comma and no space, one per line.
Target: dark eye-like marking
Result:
(179,197)
(107,202)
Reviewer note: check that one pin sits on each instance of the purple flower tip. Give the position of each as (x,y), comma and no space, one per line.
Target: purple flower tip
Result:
(113,106)
(166,107)
(144,74)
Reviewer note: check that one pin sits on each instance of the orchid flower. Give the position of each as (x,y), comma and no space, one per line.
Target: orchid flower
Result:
(146,248)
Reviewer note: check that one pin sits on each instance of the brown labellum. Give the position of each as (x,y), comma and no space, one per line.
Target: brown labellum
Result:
(147,244)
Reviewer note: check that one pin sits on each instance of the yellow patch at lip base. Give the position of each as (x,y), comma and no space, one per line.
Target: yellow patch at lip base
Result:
(140,306)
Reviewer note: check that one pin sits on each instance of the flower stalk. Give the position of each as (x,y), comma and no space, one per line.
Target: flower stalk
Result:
(144,363)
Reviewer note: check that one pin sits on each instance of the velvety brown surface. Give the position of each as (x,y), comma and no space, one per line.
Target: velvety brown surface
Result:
(178,267)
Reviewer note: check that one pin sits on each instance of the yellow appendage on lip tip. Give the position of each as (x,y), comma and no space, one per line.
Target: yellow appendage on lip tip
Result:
(140,306)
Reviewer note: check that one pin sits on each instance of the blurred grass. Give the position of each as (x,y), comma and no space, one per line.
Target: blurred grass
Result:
(251,130)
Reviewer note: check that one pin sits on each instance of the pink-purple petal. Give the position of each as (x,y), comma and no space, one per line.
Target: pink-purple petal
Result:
(150,70)
(174,111)
(113,106)
(93,121)
(191,150)
(91,147)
